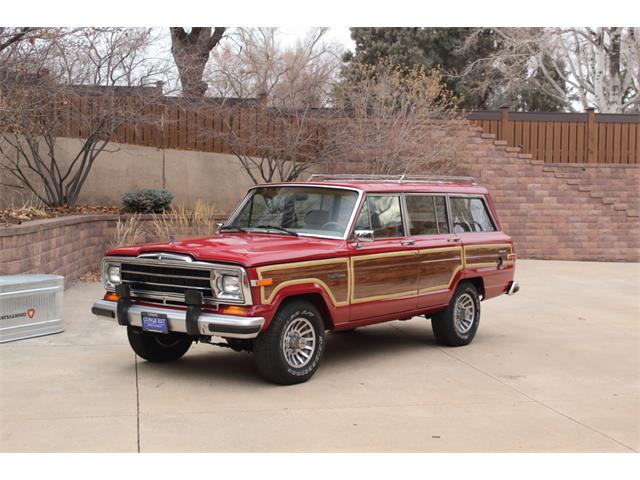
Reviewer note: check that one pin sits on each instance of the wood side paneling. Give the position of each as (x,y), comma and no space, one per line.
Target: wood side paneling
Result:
(437,268)
(479,256)
(382,276)
(331,275)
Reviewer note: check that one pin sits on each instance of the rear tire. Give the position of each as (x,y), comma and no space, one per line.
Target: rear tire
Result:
(289,351)
(158,347)
(456,325)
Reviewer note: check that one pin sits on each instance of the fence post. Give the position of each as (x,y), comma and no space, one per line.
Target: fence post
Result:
(505,131)
(592,136)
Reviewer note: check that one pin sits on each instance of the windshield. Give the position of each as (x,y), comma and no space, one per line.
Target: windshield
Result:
(298,209)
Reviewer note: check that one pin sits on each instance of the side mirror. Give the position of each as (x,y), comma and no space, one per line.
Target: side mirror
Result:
(364,235)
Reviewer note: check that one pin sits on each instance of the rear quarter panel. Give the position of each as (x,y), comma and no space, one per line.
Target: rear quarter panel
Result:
(482,252)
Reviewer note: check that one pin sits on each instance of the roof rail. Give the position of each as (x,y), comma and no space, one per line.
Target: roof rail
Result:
(330,177)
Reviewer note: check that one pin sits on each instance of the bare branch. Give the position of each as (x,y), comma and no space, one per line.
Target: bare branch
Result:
(84,82)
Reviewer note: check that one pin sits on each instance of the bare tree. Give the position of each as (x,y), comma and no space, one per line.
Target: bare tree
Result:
(10,36)
(396,121)
(287,143)
(579,67)
(285,138)
(191,53)
(253,63)
(87,84)
(384,120)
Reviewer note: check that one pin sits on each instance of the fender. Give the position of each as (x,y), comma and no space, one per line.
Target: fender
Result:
(336,314)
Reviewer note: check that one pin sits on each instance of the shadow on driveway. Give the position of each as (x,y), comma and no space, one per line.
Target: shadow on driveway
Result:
(369,345)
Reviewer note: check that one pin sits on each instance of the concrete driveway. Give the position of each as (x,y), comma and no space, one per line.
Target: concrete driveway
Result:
(554,368)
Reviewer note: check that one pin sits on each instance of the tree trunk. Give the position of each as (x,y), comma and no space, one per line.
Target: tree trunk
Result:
(191,54)
(615,90)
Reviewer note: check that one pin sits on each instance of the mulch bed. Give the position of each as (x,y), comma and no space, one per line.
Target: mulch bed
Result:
(90,277)
(17,216)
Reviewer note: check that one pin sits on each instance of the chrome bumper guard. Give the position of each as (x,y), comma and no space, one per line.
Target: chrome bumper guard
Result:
(208,324)
(513,288)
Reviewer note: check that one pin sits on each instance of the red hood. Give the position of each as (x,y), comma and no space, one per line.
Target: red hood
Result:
(247,249)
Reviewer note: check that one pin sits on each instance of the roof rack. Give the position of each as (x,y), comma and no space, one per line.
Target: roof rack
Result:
(328,177)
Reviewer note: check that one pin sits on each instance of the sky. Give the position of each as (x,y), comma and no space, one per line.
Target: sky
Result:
(288,36)
(340,35)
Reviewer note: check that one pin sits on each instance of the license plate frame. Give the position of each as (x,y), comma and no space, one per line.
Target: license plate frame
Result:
(155,322)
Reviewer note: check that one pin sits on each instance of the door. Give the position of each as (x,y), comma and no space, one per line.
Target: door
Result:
(383,270)
(439,253)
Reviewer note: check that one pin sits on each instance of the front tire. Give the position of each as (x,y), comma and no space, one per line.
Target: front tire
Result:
(289,351)
(158,347)
(456,325)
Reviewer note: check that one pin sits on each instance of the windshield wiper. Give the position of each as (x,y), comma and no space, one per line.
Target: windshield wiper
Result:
(274,227)
(231,228)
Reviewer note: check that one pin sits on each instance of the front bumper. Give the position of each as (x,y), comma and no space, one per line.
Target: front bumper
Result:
(208,324)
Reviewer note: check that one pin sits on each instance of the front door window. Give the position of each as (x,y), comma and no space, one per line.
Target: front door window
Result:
(383,215)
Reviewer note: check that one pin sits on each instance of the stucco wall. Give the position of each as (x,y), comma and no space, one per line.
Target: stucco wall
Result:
(216,178)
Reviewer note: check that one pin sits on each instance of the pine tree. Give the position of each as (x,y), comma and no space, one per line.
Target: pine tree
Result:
(464,56)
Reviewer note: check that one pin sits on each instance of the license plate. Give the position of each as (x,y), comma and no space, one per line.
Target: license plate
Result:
(155,322)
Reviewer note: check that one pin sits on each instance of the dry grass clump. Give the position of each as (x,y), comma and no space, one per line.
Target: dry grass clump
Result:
(182,223)
(129,231)
(179,223)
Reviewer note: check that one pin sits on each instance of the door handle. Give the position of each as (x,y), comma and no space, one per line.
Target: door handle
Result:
(454,239)
(407,242)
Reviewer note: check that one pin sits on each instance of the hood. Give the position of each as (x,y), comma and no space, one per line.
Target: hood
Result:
(247,249)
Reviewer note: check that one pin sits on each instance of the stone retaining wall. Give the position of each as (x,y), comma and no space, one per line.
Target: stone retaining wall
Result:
(553,211)
(68,246)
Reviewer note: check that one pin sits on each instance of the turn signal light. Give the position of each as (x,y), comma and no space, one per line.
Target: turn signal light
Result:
(265,282)
(111,296)
(233,310)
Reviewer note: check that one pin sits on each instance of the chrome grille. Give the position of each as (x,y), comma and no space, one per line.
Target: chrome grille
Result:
(166,282)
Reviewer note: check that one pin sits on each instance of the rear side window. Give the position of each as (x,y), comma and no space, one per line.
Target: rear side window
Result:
(427,214)
(382,214)
(470,215)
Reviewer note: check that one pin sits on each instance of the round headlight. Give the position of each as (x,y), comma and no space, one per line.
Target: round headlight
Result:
(230,284)
(113,274)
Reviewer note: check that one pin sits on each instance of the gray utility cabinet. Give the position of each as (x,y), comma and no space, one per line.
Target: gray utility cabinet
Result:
(30,306)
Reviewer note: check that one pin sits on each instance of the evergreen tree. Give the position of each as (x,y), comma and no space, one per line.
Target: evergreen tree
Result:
(530,94)
(440,48)
(464,56)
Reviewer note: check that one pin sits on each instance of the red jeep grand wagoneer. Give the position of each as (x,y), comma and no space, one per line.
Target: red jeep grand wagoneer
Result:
(297,259)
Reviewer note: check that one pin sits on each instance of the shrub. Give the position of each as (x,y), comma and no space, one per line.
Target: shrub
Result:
(147,200)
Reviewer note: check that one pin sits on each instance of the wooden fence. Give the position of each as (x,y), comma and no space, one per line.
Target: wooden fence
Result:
(200,125)
(208,125)
(567,137)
